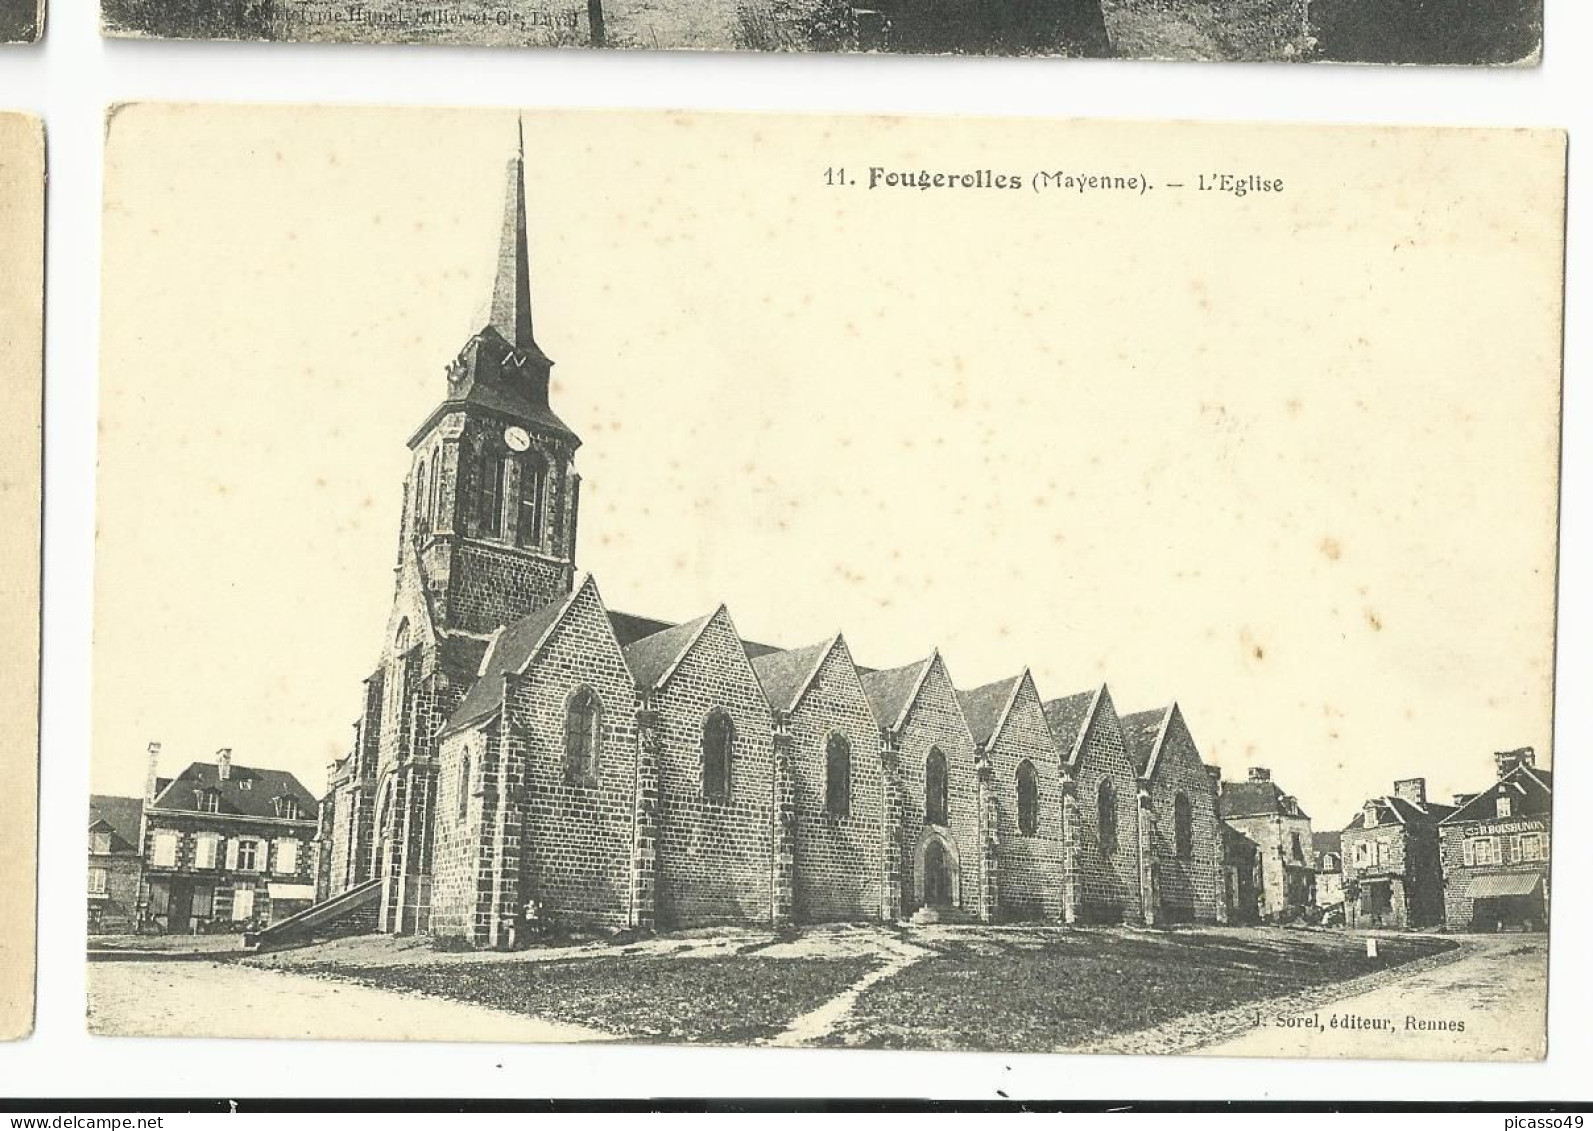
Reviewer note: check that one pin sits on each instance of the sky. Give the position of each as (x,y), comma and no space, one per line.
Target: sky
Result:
(1286,458)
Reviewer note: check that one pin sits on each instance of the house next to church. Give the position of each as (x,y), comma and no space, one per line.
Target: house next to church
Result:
(218,848)
(1281,831)
(524,755)
(1495,849)
(1390,867)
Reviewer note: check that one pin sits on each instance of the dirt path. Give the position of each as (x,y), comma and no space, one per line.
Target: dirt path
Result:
(817,1023)
(223,999)
(1489,1004)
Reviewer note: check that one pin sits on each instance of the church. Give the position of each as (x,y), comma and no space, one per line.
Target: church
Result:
(527,758)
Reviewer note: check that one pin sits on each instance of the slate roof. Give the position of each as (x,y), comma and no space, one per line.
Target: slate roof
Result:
(889,690)
(1067,716)
(247,792)
(1324,843)
(629,628)
(1254,799)
(122,814)
(1399,811)
(785,674)
(507,654)
(982,706)
(1535,796)
(509,402)
(1139,734)
(650,657)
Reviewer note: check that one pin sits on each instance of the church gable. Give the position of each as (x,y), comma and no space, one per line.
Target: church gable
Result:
(838,790)
(715,772)
(1107,791)
(1187,841)
(1027,780)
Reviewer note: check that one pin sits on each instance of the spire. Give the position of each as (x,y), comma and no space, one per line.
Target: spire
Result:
(511,291)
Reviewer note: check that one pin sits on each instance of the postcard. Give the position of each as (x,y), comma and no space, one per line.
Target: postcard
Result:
(1452,32)
(21,455)
(930,583)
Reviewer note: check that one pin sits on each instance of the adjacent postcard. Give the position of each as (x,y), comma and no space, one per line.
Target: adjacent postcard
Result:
(867,582)
(21,454)
(21,21)
(1465,32)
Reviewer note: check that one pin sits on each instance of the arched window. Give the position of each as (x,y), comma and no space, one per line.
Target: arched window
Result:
(583,719)
(434,495)
(464,785)
(1106,817)
(1028,799)
(398,679)
(533,486)
(935,788)
(837,776)
(1183,828)
(421,483)
(493,468)
(718,743)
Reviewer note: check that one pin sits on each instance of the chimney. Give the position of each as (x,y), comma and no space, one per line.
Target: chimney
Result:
(1507,760)
(1413,790)
(224,763)
(1260,774)
(150,777)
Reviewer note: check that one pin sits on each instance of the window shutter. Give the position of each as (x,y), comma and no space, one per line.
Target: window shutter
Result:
(232,855)
(1471,853)
(287,856)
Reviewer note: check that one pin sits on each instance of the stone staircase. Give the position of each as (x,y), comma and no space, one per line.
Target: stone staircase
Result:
(352,912)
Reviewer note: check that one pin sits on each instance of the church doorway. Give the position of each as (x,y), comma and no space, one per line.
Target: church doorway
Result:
(937,876)
(935,872)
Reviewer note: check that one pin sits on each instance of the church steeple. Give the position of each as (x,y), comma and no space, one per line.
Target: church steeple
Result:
(511,291)
(501,367)
(492,496)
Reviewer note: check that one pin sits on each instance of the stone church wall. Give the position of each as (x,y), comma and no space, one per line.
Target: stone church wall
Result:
(1109,880)
(715,859)
(1029,867)
(840,865)
(576,832)
(934,720)
(1190,888)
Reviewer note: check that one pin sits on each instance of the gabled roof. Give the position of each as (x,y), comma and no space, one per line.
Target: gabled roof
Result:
(1397,810)
(1142,733)
(509,652)
(248,791)
(629,628)
(652,658)
(892,691)
(121,816)
(1069,717)
(786,675)
(986,707)
(1532,786)
(1327,842)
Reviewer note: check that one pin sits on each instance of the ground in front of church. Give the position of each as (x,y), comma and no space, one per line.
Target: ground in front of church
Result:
(1228,991)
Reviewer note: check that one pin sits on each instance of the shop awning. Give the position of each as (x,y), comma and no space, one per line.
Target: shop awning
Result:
(1510,883)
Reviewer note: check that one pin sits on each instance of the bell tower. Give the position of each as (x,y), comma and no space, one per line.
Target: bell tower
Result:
(492,494)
